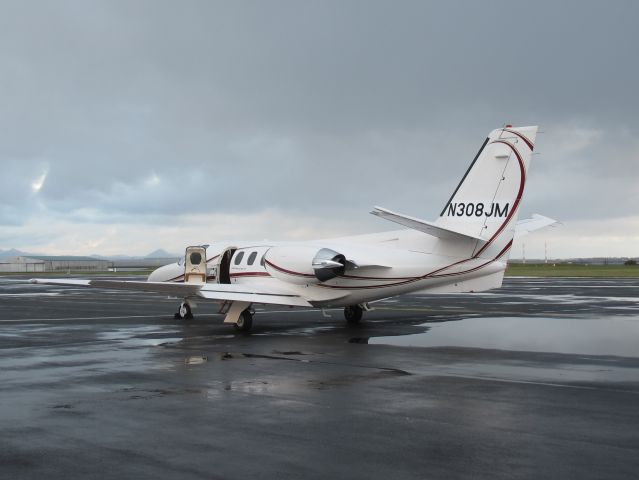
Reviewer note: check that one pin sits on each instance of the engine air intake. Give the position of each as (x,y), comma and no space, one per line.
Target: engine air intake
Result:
(328,264)
(304,264)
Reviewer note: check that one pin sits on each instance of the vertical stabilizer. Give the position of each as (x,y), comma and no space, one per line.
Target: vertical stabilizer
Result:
(486,202)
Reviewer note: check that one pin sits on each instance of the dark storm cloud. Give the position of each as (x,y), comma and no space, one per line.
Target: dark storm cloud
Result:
(146,109)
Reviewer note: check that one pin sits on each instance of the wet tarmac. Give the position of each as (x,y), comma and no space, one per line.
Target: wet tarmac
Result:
(539,379)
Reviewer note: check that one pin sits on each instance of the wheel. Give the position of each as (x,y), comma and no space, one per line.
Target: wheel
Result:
(184,312)
(245,322)
(353,314)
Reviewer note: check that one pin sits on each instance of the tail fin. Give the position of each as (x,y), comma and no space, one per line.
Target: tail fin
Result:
(486,202)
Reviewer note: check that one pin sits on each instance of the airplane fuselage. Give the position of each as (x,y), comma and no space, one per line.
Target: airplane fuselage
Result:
(392,263)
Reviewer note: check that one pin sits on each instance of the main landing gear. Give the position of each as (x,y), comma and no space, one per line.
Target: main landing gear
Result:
(353,314)
(244,321)
(239,314)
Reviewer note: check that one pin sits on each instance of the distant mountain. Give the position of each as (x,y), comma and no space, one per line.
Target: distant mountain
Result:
(13,253)
(161,253)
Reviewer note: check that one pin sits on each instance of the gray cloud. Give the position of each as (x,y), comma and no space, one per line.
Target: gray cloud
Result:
(144,111)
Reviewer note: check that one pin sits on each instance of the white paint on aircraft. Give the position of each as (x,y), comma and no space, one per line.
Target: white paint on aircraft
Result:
(464,250)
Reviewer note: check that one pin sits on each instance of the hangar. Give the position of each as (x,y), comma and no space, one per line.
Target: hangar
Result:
(40,263)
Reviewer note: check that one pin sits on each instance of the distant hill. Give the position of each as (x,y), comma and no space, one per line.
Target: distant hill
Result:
(13,253)
(161,253)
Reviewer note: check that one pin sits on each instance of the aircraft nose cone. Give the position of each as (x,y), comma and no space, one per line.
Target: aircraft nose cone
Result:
(162,274)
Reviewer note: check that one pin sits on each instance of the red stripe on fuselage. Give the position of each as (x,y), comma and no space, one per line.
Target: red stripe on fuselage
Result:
(432,274)
(523,137)
(289,272)
(522,182)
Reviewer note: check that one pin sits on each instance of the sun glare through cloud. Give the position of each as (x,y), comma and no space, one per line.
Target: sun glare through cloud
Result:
(38,183)
(152,180)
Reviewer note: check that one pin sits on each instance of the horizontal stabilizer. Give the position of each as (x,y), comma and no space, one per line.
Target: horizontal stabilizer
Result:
(423,226)
(537,222)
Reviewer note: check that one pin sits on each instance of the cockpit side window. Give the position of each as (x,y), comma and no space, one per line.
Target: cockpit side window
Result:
(251,258)
(238,258)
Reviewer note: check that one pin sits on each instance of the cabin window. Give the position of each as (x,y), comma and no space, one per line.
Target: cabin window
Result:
(238,258)
(195,258)
(251,258)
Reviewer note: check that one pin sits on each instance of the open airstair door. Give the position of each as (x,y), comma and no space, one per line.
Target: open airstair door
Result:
(223,266)
(195,265)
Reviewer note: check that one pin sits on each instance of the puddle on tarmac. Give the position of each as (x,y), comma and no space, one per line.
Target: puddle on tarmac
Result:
(588,336)
(140,336)
(196,360)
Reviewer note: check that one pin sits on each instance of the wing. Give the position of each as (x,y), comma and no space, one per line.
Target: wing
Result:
(210,291)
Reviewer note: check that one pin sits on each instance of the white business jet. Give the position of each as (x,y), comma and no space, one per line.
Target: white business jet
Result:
(465,250)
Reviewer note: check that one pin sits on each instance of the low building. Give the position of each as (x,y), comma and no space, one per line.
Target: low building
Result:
(38,263)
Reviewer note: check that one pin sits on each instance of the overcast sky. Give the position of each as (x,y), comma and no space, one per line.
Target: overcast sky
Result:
(127,126)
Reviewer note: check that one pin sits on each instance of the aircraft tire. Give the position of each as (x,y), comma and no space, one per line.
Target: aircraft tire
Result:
(353,314)
(245,322)
(184,312)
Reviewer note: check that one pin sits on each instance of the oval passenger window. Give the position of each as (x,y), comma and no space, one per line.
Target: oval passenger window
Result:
(195,258)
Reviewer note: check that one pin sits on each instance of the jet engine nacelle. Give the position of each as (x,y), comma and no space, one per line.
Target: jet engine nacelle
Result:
(304,264)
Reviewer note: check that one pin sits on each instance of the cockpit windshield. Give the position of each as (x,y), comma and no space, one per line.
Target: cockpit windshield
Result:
(181,261)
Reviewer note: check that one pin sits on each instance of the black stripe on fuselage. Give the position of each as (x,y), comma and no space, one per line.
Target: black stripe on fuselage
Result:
(464,178)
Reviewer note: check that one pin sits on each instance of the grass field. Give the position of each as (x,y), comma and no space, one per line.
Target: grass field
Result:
(571,270)
(514,270)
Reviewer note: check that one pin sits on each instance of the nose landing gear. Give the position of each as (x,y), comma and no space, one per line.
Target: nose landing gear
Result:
(184,312)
